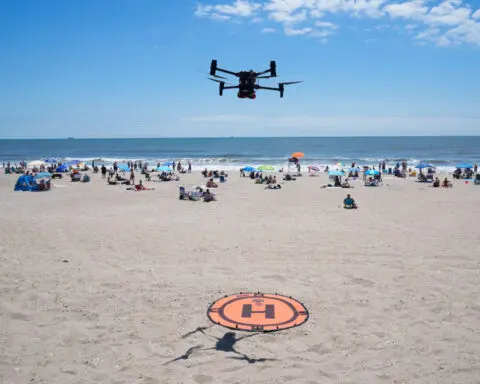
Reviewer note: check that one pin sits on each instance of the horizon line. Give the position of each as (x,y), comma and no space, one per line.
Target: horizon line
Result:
(230,137)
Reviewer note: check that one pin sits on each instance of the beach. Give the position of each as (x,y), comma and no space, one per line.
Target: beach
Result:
(99,284)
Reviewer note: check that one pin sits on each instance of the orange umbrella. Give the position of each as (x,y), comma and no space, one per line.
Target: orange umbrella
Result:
(298,154)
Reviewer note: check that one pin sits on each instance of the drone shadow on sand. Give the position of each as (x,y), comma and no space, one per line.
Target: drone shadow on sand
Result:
(226,343)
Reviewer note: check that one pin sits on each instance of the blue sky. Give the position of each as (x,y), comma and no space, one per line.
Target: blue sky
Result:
(138,68)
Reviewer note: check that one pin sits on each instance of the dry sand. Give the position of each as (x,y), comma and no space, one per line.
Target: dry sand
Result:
(392,288)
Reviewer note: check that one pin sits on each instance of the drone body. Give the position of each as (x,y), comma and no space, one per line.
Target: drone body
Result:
(247,80)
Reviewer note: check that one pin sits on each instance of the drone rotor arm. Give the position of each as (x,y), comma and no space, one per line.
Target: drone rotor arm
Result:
(227,71)
(268,88)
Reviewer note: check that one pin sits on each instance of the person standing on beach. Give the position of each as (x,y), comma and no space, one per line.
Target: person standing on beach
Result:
(132,177)
(190,166)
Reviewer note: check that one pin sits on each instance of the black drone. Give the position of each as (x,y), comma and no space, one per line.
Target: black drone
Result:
(247,80)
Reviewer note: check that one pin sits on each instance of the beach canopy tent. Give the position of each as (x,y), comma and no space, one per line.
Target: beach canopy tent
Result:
(335,172)
(464,166)
(30,183)
(372,172)
(164,168)
(424,165)
(123,167)
(62,168)
(249,169)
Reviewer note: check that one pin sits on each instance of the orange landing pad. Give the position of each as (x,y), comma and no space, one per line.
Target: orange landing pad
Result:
(257,312)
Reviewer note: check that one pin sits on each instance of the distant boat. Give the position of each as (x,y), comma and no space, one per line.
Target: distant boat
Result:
(70,138)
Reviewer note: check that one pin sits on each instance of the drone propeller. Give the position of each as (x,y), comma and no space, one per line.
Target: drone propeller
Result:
(219,77)
(264,77)
(291,82)
(218,81)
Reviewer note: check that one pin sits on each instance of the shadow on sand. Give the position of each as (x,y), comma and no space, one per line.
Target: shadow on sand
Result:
(224,344)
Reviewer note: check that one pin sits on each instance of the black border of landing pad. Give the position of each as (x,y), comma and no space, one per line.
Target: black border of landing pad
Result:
(253,329)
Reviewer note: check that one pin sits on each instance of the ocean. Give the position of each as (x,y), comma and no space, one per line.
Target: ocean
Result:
(235,153)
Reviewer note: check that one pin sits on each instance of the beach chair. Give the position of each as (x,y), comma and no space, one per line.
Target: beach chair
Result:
(348,203)
(477,179)
(222,179)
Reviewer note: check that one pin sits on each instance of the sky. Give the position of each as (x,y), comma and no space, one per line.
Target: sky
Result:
(139,68)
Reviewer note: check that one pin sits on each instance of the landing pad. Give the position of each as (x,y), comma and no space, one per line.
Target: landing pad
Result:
(258,312)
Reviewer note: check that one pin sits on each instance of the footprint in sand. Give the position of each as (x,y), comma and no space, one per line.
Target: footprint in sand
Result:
(277,278)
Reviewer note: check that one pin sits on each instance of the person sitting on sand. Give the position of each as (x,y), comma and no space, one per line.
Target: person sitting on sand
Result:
(446,183)
(436,183)
(211,184)
(346,184)
(208,196)
(349,202)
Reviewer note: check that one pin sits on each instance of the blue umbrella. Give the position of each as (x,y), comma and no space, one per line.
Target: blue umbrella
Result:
(372,172)
(168,164)
(249,169)
(424,165)
(335,173)
(164,169)
(465,165)
(43,175)
(123,167)
(51,160)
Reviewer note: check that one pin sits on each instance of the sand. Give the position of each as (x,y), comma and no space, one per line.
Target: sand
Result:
(98,284)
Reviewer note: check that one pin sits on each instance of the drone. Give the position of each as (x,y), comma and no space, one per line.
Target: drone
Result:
(247,80)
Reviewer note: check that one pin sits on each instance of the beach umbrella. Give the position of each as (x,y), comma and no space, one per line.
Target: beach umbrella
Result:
(335,173)
(372,172)
(43,175)
(313,168)
(340,164)
(465,165)
(424,165)
(123,167)
(297,154)
(249,169)
(51,160)
(164,169)
(35,163)
(266,168)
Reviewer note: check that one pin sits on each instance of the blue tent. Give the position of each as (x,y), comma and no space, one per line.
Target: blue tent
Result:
(372,172)
(62,168)
(249,169)
(123,167)
(164,169)
(24,183)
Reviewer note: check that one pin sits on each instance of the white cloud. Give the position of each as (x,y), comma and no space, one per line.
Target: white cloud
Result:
(297,32)
(443,22)
(268,30)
